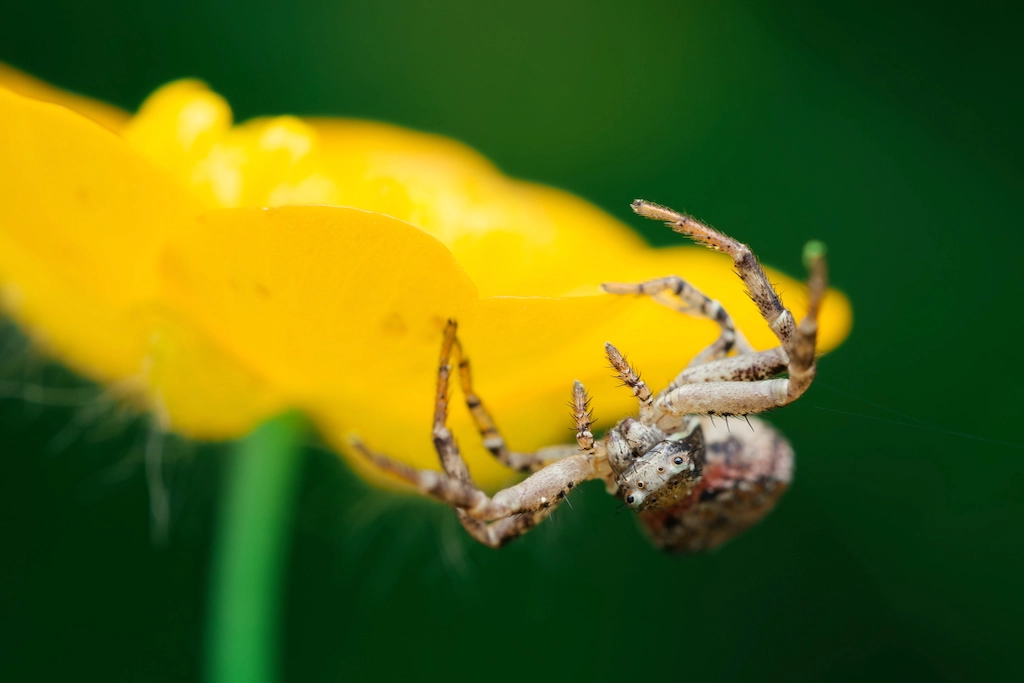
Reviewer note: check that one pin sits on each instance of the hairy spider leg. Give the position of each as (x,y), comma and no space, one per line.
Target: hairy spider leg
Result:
(513,511)
(490,436)
(535,497)
(754,393)
(629,377)
(497,534)
(711,364)
(680,295)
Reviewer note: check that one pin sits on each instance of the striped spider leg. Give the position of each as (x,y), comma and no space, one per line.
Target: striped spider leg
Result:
(694,483)
(509,513)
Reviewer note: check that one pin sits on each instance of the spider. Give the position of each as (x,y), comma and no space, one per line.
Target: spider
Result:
(694,482)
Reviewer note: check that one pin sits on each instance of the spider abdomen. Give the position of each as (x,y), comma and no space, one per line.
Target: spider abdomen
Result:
(746,471)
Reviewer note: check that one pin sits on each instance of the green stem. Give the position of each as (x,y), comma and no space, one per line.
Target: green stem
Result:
(249,554)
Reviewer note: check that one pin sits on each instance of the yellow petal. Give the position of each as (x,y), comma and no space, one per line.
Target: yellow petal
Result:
(82,222)
(341,311)
(513,238)
(178,128)
(23,84)
(226,317)
(438,185)
(199,389)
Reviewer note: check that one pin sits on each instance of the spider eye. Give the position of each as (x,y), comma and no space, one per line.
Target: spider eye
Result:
(678,460)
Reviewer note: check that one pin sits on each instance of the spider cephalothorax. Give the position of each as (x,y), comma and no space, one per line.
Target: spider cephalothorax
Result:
(652,469)
(694,482)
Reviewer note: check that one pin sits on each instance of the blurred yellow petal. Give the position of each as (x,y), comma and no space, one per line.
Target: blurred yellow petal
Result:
(177,128)
(541,237)
(231,272)
(23,84)
(201,390)
(339,309)
(313,298)
(82,221)
(436,184)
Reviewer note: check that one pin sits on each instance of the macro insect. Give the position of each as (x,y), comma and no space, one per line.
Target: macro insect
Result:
(695,482)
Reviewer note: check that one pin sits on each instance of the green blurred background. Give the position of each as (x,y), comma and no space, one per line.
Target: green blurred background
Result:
(890,131)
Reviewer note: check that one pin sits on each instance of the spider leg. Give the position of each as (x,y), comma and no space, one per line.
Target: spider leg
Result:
(451,460)
(515,510)
(498,534)
(718,395)
(749,367)
(631,378)
(512,511)
(489,435)
(678,294)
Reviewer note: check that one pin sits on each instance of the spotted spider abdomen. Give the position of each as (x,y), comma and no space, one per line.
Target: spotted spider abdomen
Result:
(746,471)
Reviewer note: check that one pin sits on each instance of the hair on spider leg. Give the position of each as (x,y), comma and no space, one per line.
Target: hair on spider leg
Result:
(727,427)
(588,411)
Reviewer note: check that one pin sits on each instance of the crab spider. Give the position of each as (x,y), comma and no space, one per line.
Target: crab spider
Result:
(694,483)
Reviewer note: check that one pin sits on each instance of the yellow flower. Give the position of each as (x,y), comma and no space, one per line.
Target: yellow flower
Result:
(221,273)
